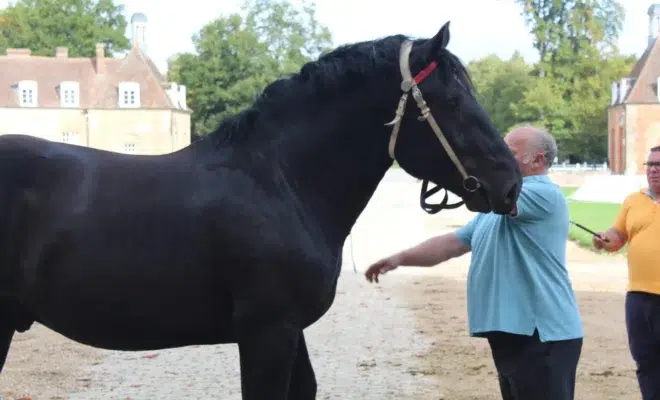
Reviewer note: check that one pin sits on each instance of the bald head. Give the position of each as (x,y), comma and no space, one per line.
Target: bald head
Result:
(534,148)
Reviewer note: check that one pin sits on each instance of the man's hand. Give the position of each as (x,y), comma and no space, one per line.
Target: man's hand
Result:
(381,267)
(611,240)
(599,241)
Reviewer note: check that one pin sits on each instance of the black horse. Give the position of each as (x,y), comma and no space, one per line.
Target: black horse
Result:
(238,237)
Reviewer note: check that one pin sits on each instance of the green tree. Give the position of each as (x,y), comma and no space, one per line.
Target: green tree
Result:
(578,60)
(500,85)
(43,25)
(293,36)
(588,117)
(237,55)
(543,104)
(563,28)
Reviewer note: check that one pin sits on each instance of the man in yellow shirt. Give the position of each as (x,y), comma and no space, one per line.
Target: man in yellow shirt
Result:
(638,225)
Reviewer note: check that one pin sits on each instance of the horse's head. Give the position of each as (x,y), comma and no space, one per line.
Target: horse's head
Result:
(453,143)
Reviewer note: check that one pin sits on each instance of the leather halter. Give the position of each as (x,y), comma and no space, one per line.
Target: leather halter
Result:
(470,183)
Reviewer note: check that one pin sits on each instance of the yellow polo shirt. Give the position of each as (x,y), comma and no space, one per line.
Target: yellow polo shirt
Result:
(639,218)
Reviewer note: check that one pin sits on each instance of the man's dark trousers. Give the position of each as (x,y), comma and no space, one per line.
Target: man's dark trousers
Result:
(529,369)
(643,325)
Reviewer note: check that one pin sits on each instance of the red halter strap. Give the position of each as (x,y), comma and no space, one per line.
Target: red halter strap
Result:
(423,74)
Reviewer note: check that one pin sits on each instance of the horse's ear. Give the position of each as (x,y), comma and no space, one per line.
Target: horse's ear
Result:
(439,41)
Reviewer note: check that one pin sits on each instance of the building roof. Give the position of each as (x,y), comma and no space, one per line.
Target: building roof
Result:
(654,9)
(644,76)
(138,17)
(98,77)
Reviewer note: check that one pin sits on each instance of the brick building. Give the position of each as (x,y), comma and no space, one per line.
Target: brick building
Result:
(117,104)
(634,112)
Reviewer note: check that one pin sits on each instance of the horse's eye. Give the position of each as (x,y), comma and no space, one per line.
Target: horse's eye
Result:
(453,102)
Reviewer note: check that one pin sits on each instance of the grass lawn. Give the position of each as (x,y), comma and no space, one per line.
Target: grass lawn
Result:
(595,216)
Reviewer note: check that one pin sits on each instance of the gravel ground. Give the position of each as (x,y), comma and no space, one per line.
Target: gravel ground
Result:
(45,365)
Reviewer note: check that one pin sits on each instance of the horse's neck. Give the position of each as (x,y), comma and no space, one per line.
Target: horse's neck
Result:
(336,168)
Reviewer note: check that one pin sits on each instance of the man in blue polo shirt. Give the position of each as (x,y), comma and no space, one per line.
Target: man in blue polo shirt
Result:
(519,293)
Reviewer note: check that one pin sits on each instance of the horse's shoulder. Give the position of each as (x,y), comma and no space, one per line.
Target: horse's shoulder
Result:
(241,208)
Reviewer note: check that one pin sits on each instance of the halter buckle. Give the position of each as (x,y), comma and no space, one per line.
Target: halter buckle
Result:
(471,184)
(406,85)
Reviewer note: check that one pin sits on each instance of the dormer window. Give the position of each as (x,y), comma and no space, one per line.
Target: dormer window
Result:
(624,87)
(70,137)
(69,94)
(129,95)
(27,93)
(615,93)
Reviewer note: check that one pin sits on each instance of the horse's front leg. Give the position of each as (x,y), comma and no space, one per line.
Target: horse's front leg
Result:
(303,380)
(267,354)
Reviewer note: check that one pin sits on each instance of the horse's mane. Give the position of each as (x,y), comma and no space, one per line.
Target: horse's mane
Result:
(341,69)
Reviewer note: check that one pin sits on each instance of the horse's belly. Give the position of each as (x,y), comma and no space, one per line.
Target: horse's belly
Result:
(139,316)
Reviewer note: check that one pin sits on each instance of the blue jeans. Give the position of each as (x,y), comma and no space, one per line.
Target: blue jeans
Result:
(643,326)
(529,369)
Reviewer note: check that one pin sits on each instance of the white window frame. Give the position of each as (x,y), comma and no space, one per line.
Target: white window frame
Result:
(128,95)
(69,94)
(27,93)
(70,137)
(130,148)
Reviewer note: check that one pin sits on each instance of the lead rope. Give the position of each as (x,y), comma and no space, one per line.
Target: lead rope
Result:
(353,254)
(404,54)
(428,117)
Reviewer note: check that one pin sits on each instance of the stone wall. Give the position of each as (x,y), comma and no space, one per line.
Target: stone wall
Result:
(573,178)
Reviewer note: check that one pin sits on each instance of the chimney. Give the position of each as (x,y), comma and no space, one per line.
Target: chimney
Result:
(61,52)
(615,93)
(19,52)
(654,22)
(624,86)
(182,96)
(99,60)
(139,31)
